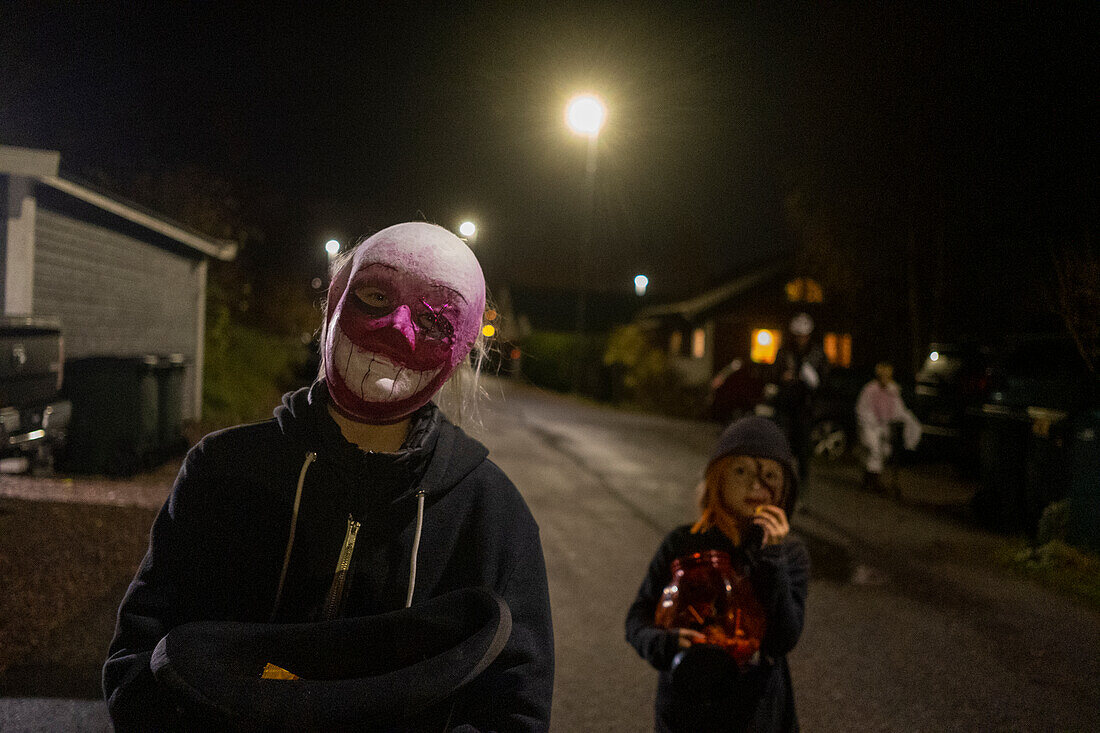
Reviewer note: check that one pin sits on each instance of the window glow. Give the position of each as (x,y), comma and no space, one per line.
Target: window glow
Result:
(698,343)
(838,348)
(765,344)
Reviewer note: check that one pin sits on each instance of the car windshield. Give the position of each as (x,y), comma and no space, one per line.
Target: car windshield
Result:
(1043,358)
(942,368)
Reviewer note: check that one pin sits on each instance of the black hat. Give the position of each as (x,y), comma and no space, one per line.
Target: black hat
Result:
(758,437)
(371,671)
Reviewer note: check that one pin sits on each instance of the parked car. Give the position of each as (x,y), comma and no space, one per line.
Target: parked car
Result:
(1042,372)
(33,418)
(736,390)
(951,384)
(833,431)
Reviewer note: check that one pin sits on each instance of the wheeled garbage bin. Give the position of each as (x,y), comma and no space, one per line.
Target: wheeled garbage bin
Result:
(1002,454)
(169,372)
(115,420)
(1084,492)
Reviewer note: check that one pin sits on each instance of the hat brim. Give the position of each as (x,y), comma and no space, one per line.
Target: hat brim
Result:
(369,671)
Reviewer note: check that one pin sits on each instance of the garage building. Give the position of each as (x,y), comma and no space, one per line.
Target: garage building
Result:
(121,281)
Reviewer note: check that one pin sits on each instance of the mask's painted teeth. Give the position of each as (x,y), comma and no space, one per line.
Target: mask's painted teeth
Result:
(377,378)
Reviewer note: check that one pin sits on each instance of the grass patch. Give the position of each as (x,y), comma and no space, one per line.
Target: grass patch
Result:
(246,372)
(1059,566)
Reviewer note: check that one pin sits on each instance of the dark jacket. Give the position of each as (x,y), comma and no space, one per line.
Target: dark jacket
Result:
(779,575)
(216,553)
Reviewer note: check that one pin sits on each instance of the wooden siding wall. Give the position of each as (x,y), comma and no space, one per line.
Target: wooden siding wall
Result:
(115,295)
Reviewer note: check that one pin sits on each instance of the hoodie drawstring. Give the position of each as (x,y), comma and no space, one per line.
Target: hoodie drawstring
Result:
(416,545)
(310,458)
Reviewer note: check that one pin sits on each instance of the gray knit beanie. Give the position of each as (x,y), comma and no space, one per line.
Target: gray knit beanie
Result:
(758,437)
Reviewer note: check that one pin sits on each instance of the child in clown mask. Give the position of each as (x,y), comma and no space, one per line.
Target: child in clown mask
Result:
(358,540)
(722,603)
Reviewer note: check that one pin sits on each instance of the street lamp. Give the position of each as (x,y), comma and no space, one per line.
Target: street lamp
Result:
(585,115)
(332,247)
(467,229)
(641,282)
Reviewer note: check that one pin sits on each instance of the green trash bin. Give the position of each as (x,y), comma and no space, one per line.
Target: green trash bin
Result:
(1003,437)
(1084,483)
(115,421)
(170,370)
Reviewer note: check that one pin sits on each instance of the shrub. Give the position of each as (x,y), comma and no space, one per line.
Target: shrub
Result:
(246,371)
(549,360)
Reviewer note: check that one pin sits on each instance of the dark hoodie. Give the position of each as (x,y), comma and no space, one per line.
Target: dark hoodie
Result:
(218,547)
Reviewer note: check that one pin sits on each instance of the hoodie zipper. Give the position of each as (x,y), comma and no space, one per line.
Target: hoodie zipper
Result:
(334,603)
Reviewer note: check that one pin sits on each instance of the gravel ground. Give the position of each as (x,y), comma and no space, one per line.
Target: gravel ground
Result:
(147,490)
(69,546)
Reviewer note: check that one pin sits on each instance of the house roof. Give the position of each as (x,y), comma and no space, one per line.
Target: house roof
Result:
(43,166)
(692,308)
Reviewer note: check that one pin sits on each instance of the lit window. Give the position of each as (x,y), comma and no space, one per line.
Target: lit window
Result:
(698,343)
(838,348)
(765,344)
(804,290)
(675,343)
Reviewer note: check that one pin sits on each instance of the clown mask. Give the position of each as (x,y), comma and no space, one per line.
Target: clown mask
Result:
(402,315)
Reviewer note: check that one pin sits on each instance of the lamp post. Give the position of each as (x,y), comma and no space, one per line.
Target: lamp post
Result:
(585,115)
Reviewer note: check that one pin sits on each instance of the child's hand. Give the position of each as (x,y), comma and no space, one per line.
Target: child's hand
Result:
(689,637)
(773,520)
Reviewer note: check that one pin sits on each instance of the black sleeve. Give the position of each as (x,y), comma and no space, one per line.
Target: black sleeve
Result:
(515,692)
(781,577)
(655,645)
(151,607)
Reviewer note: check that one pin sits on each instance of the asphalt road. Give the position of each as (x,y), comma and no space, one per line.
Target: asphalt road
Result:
(910,624)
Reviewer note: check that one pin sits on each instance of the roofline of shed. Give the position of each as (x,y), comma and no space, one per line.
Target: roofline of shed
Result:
(43,165)
(691,308)
(218,248)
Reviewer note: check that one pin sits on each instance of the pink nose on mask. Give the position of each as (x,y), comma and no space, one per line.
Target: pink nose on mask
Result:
(402,322)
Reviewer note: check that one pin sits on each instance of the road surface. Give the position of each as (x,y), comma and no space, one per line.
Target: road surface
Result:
(911,626)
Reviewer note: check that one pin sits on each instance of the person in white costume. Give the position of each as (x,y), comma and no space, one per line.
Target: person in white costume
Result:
(878,407)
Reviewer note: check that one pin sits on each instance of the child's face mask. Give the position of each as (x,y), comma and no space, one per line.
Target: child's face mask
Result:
(402,315)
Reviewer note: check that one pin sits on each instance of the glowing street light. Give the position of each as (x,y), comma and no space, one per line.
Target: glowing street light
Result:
(585,115)
(332,247)
(467,229)
(641,282)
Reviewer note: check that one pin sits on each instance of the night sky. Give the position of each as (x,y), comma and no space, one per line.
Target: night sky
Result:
(972,126)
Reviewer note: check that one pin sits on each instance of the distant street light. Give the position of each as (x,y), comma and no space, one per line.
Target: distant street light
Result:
(467,229)
(641,282)
(332,247)
(585,115)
